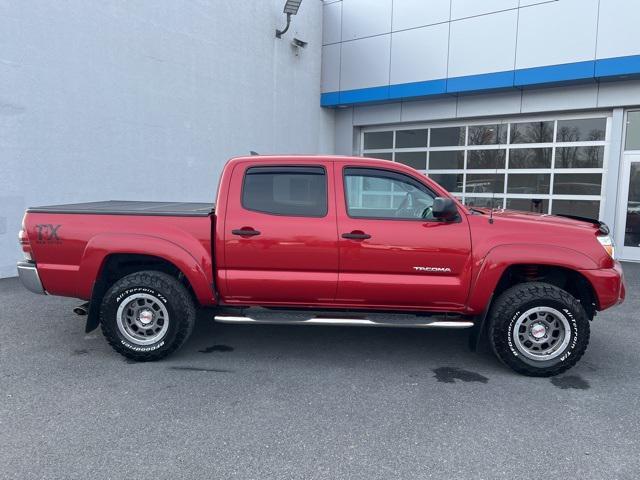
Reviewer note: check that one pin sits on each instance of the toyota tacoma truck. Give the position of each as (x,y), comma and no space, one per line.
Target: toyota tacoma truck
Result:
(315,240)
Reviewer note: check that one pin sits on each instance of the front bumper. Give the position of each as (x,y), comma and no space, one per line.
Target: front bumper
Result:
(29,277)
(608,284)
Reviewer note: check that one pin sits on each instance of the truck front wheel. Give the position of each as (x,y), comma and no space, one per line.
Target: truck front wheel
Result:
(147,315)
(538,329)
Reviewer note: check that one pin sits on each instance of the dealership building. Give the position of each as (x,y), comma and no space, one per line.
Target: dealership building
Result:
(519,104)
(523,104)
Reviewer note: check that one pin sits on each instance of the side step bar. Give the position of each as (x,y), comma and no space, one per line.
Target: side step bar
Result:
(389,320)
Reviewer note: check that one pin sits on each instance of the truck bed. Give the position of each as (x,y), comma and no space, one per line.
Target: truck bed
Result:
(125,207)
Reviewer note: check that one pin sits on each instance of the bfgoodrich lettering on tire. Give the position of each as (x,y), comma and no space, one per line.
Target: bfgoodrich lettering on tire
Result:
(538,329)
(147,315)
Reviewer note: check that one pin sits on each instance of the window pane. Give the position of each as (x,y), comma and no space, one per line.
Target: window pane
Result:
(417,160)
(296,191)
(530,158)
(579,157)
(577,183)
(487,134)
(447,137)
(378,140)
(487,202)
(633,131)
(393,196)
(375,184)
(446,160)
(381,156)
(532,132)
(411,138)
(528,183)
(485,183)
(632,226)
(452,182)
(582,208)
(485,159)
(581,130)
(536,205)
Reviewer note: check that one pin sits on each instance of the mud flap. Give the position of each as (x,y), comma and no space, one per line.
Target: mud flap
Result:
(93,317)
(479,329)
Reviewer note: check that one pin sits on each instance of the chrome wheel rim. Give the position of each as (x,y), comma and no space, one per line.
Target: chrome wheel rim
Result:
(142,319)
(541,333)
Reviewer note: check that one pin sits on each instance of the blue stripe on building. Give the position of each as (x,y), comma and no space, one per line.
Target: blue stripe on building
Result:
(602,69)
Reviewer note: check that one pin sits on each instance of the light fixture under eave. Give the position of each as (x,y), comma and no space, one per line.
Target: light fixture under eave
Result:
(290,8)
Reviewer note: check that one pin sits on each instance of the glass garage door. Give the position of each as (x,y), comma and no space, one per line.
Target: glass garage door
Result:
(538,165)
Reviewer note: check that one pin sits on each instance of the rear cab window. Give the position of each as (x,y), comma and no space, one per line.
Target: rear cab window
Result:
(286,190)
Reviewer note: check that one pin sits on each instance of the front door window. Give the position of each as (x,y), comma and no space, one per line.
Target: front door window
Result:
(382,194)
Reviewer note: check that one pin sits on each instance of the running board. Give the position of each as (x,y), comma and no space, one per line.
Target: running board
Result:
(389,320)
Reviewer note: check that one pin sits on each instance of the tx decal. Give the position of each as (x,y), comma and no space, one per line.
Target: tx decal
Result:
(48,233)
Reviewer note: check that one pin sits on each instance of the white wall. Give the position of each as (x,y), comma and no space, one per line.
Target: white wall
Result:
(147,99)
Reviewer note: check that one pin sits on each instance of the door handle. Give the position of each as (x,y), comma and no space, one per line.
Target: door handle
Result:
(356,235)
(245,232)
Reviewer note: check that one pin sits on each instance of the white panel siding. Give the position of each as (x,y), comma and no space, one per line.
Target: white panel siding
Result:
(376,114)
(611,94)
(331,68)
(344,134)
(432,109)
(419,54)
(470,8)
(482,35)
(363,18)
(332,23)
(489,104)
(418,13)
(483,44)
(560,98)
(557,32)
(526,3)
(618,32)
(365,63)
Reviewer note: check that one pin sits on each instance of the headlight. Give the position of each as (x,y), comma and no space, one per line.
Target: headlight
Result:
(608,245)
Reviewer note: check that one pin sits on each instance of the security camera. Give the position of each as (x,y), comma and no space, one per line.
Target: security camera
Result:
(296,42)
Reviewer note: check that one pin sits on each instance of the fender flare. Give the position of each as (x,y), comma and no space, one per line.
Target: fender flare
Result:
(491,267)
(194,262)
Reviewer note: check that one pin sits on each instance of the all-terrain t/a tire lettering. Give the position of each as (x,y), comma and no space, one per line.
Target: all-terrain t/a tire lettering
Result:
(147,315)
(538,329)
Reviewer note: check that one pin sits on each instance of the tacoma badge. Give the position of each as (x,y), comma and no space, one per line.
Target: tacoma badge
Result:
(433,269)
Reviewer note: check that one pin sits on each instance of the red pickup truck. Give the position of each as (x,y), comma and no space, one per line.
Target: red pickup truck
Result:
(320,240)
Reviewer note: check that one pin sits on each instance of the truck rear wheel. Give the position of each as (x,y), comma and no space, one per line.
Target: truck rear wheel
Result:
(147,315)
(538,329)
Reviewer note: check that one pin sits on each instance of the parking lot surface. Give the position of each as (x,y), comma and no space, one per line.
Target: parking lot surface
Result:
(309,402)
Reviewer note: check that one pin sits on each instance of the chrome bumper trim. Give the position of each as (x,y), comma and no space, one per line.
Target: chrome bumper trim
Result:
(29,277)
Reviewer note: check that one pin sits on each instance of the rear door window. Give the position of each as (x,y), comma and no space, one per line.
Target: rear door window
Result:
(284,190)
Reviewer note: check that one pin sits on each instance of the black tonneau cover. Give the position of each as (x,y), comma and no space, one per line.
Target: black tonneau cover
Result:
(124,207)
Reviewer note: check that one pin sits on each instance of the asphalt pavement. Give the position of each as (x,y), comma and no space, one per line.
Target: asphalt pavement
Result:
(263,402)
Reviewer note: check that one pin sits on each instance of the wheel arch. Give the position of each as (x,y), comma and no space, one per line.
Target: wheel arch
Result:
(509,265)
(108,257)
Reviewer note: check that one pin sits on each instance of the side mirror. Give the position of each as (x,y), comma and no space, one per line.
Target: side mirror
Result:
(444,209)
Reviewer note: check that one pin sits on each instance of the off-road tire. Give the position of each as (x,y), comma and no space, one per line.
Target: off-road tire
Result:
(511,304)
(177,301)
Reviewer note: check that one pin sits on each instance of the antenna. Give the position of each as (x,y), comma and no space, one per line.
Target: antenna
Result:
(491,211)
(493,193)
